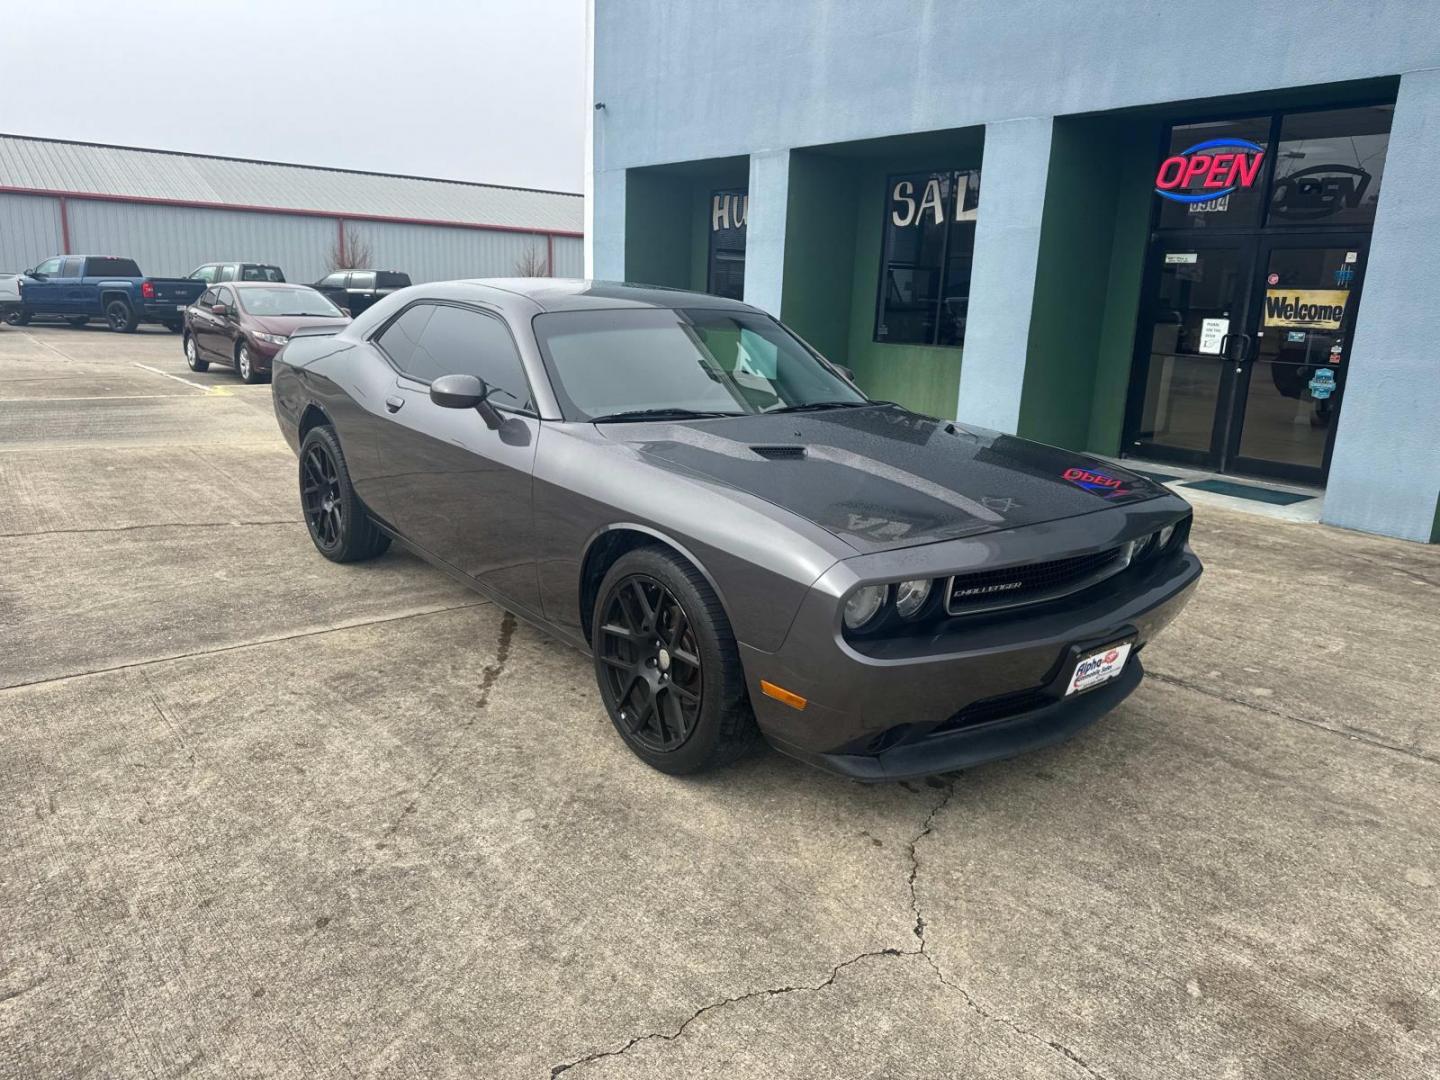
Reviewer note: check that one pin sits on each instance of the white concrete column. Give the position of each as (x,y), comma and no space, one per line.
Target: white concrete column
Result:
(606,239)
(1007,248)
(765,229)
(1385,471)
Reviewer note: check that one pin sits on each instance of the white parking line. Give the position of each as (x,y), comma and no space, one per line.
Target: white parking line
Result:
(198,386)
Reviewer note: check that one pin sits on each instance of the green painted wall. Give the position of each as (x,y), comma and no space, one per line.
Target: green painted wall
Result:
(667,220)
(1087,285)
(820,252)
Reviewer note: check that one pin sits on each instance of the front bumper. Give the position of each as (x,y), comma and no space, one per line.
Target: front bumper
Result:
(981,689)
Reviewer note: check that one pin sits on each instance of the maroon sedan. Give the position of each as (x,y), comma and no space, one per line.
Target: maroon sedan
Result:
(243,324)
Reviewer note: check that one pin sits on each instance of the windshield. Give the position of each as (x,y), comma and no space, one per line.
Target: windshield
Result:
(287,302)
(687,360)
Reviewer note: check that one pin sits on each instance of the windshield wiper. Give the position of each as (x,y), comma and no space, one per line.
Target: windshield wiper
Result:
(658,414)
(811,406)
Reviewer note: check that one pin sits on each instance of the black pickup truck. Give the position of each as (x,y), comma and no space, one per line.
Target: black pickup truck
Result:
(78,288)
(356,290)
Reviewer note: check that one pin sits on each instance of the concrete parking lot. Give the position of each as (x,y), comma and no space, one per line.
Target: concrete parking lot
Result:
(268,816)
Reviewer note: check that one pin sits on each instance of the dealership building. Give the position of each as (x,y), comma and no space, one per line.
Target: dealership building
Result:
(1192,235)
(172,212)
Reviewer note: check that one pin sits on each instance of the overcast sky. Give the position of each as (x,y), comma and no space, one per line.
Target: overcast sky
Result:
(488,90)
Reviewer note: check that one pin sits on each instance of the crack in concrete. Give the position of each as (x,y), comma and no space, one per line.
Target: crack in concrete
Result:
(1354,734)
(359,624)
(775,991)
(488,678)
(154,525)
(11,995)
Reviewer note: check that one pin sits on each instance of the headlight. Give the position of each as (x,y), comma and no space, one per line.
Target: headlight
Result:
(910,597)
(864,604)
(1165,534)
(273,339)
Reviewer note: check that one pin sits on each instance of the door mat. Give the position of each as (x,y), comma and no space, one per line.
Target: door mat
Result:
(1248,491)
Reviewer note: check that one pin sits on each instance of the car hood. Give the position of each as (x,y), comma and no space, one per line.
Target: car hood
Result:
(288,324)
(883,477)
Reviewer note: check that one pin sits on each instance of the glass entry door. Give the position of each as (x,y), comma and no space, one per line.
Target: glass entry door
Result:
(1191,339)
(1290,385)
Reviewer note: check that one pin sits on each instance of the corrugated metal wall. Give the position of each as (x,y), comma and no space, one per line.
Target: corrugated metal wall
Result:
(569,257)
(170,241)
(435,253)
(29,231)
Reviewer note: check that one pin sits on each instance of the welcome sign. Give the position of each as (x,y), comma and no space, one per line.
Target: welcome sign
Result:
(1313,309)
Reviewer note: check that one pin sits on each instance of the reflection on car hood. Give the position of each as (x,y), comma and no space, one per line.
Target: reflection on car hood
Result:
(288,324)
(884,477)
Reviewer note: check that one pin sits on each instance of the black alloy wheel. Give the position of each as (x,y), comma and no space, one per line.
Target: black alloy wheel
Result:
(667,664)
(320,496)
(17,317)
(652,663)
(121,317)
(334,515)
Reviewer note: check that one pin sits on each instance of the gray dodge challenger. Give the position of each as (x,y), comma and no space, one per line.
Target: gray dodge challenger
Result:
(745,543)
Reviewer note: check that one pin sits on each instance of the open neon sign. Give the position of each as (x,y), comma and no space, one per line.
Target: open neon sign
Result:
(1216,166)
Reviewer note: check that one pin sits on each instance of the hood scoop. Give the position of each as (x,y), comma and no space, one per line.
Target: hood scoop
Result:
(779,453)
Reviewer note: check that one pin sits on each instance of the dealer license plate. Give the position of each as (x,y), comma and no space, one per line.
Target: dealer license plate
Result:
(180,307)
(1099,667)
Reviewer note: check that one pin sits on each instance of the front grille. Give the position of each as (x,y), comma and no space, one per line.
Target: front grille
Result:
(988,590)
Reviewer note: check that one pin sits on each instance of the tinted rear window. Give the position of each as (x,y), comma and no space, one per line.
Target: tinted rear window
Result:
(112,268)
(391,280)
(261,273)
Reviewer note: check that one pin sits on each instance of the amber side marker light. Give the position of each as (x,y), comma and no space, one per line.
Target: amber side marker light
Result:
(779,693)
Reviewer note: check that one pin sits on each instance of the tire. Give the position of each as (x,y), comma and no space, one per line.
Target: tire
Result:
(245,364)
(192,356)
(18,317)
(339,525)
(121,317)
(78,320)
(644,684)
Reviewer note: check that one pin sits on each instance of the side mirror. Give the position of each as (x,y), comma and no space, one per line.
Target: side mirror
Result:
(847,372)
(36,274)
(219,309)
(465,392)
(29,272)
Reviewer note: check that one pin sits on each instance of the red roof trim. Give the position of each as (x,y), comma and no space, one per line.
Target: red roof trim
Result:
(331,214)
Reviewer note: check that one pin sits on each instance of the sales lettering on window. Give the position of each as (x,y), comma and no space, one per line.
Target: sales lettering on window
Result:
(927,256)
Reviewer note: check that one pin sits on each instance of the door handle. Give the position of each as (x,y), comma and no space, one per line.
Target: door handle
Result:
(394,403)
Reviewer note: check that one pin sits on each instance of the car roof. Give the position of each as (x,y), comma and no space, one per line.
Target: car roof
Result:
(577,294)
(263,284)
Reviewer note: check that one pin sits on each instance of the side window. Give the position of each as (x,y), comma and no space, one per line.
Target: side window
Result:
(50,267)
(207,299)
(362,279)
(205,273)
(227,272)
(462,341)
(225,296)
(73,268)
(400,338)
(336,280)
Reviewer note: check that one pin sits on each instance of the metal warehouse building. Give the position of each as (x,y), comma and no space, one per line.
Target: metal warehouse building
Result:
(1195,235)
(172,212)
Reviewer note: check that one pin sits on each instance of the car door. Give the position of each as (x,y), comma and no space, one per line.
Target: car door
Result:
(224,329)
(456,488)
(42,292)
(70,284)
(202,323)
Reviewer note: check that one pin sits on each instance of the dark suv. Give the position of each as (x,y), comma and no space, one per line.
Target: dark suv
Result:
(356,290)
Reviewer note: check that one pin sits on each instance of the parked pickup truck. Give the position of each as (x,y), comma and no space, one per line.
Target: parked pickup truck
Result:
(9,295)
(78,288)
(356,290)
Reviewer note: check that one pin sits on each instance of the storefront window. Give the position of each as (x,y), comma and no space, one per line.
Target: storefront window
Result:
(1328,166)
(928,251)
(1214,174)
(728,211)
